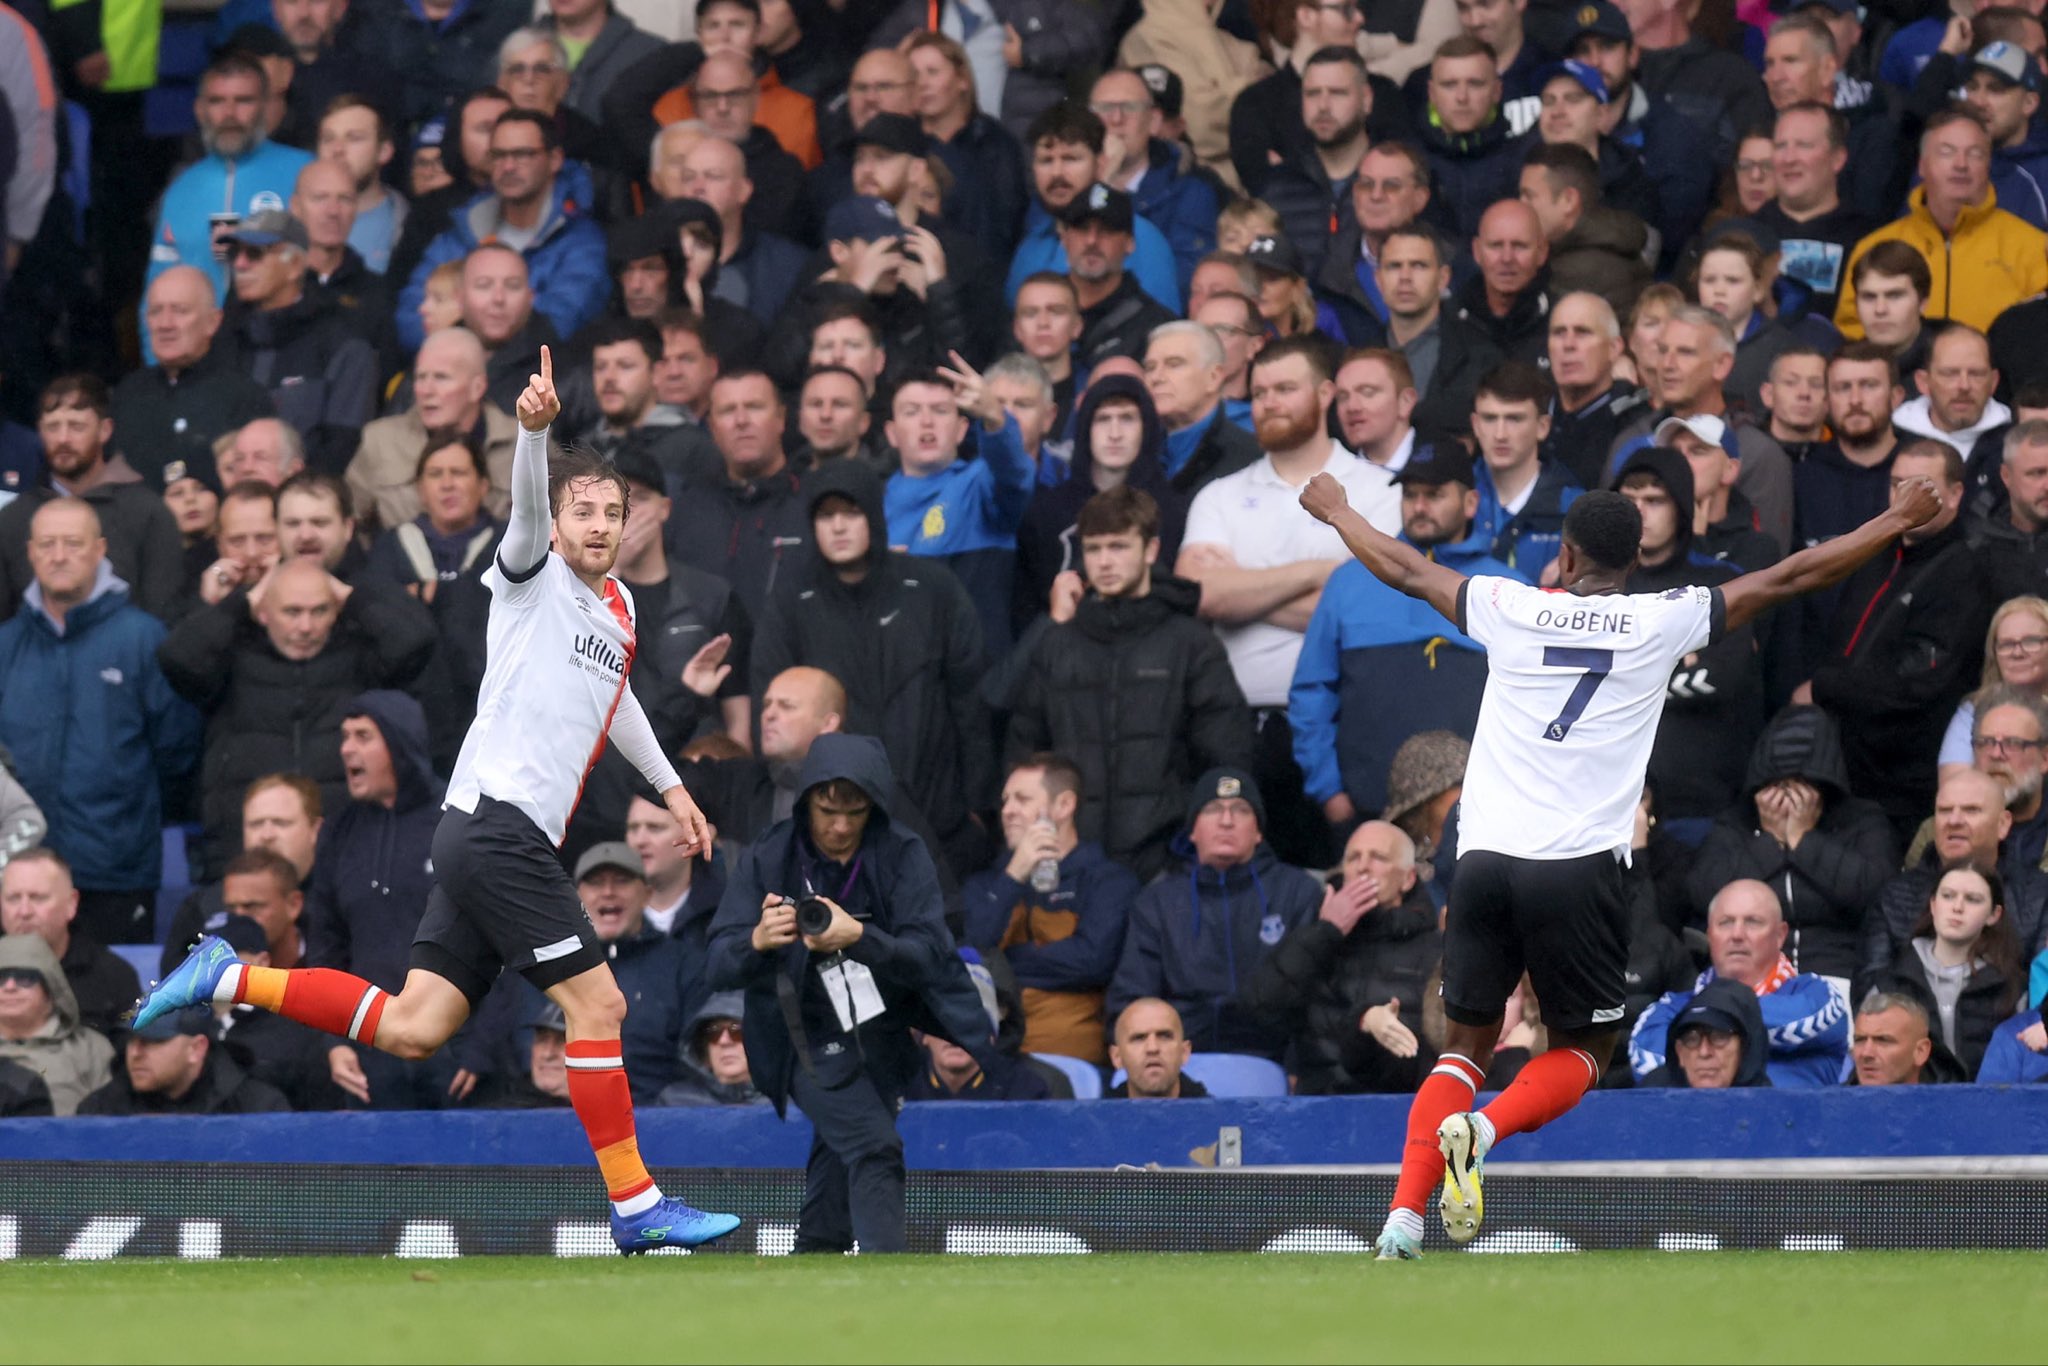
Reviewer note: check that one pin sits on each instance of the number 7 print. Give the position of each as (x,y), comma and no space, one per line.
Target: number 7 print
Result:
(1597,664)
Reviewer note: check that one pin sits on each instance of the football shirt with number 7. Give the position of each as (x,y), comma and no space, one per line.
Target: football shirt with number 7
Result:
(1574,689)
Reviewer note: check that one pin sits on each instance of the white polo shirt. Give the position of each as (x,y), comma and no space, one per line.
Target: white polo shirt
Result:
(1258,516)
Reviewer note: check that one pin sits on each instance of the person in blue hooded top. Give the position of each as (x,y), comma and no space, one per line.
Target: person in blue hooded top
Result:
(1197,935)
(1377,666)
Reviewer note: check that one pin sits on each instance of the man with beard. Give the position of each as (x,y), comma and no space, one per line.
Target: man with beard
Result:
(1262,563)
(1956,406)
(1065,144)
(142,542)
(1312,191)
(240,174)
(1117,315)
(623,354)
(1840,482)
(2007,740)
(1377,667)
(1591,405)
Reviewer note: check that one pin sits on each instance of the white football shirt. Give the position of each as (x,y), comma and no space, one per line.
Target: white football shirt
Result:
(1259,517)
(1574,689)
(553,681)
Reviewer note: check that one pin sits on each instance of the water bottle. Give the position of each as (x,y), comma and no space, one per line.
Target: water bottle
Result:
(1045,874)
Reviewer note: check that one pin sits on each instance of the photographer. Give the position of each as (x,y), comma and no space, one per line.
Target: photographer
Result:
(834,927)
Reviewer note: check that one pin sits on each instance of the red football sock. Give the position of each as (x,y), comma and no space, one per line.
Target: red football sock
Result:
(1446,1091)
(1544,1089)
(604,1102)
(331,1001)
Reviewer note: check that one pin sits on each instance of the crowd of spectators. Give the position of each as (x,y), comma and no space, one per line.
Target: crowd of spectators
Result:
(965,360)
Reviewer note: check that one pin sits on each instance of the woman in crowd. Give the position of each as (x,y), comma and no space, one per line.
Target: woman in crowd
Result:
(1964,955)
(2015,654)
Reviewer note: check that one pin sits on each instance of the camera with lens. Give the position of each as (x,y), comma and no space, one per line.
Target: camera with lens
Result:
(813,915)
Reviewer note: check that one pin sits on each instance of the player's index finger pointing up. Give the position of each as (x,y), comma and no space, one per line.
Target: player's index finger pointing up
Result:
(547,366)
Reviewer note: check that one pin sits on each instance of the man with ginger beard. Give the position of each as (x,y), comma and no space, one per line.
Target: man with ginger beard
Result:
(1262,563)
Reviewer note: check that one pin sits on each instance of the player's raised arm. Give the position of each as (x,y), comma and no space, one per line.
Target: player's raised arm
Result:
(1915,502)
(1393,563)
(526,530)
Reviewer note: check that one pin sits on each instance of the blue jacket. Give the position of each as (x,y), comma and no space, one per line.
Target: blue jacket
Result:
(1376,667)
(261,180)
(970,504)
(2020,176)
(2007,1061)
(1529,539)
(565,264)
(1198,934)
(95,731)
(1181,204)
(1151,260)
(1807,1020)
(1067,939)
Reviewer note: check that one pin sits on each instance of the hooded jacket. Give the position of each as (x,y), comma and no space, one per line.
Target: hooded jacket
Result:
(694,1085)
(1139,693)
(223,1087)
(1982,444)
(1376,667)
(1047,541)
(73,1061)
(1472,170)
(1602,254)
(1713,705)
(917,970)
(1992,261)
(617,46)
(143,544)
(2019,175)
(903,642)
(1737,1000)
(1828,881)
(1319,982)
(1197,938)
(565,262)
(1061,945)
(269,714)
(323,377)
(95,730)
(373,865)
(1907,645)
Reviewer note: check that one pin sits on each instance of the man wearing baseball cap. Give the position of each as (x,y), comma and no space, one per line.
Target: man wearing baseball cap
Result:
(175,1066)
(321,375)
(662,983)
(1723,521)
(1375,667)
(1669,135)
(1097,231)
(2004,85)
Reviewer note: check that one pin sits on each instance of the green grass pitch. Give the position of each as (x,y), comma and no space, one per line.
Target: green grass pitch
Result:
(1807,1308)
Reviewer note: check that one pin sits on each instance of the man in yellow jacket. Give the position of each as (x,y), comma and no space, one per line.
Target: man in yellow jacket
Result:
(1982,258)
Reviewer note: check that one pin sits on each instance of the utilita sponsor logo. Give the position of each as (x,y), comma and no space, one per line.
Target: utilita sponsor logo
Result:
(595,648)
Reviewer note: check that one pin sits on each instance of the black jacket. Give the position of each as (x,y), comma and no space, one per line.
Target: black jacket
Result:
(1987,1001)
(269,714)
(1524,334)
(1464,354)
(1120,324)
(322,376)
(1825,884)
(903,642)
(23,1092)
(1047,542)
(435,64)
(222,1088)
(1582,441)
(162,419)
(1225,448)
(747,533)
(917,969)
(104,984)
(1471,171)
(1907,645)
(373,865)
(1320,983)
(1140,694)
(1902,900)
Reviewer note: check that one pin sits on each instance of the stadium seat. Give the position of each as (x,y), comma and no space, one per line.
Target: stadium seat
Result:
(174,877)
(1231,1075)
(146,959)
(1084,1076)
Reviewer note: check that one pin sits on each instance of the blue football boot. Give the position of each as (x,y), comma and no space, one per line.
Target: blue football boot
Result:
(191,983)
(669,1223)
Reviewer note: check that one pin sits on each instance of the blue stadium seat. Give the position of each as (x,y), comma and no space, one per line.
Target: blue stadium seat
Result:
(146,959)
(1084,1076)
(174,877)
(1233,1075)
